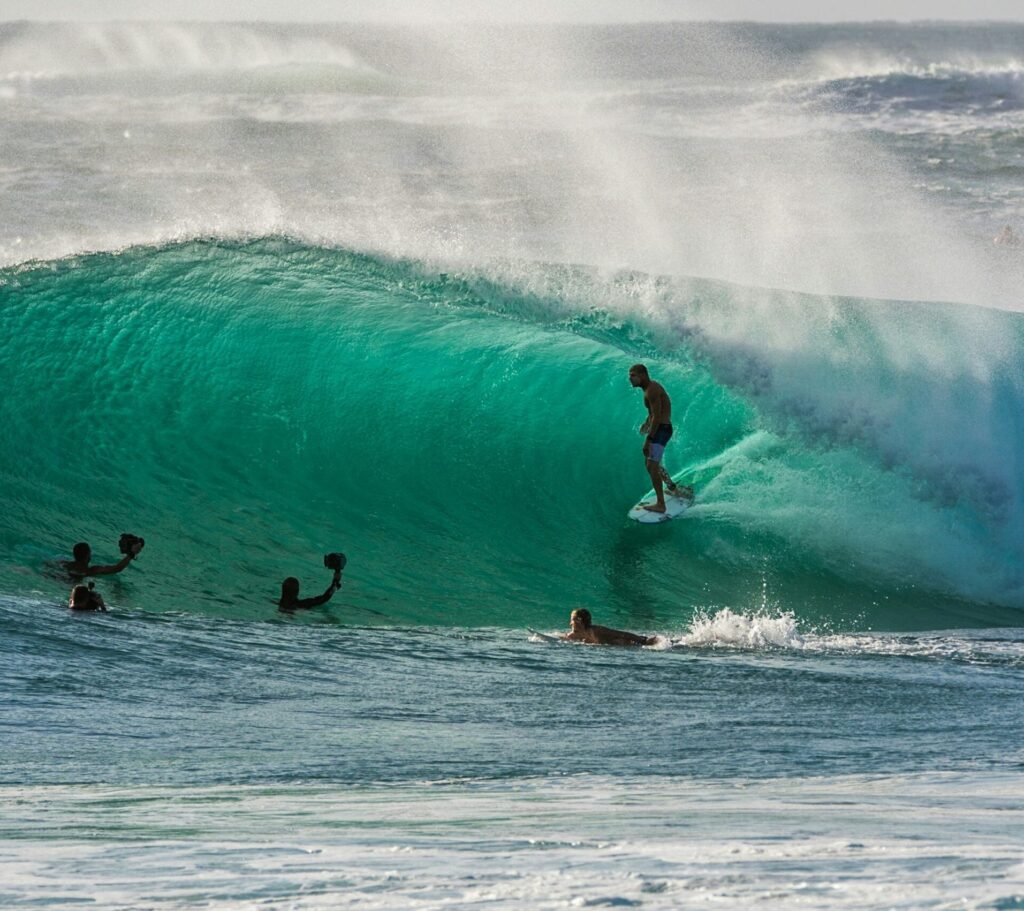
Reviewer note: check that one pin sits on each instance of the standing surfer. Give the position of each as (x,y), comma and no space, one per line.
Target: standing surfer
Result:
(658,428)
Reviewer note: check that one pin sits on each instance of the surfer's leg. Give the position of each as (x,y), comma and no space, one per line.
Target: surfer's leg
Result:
(659,506)
(654,470)
(655,450)
(670,485)
(676,490)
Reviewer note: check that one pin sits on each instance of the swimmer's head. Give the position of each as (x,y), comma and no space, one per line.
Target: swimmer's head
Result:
(290,589)
(581,616)
(80,596)
(81,552)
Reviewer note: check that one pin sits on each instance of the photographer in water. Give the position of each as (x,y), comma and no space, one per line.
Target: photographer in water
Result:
(290,600)
(129,545)
(85,597)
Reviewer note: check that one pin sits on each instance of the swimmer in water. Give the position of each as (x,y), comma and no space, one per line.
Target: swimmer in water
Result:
(84,597)
(290,600)
(82,554)
(585,630)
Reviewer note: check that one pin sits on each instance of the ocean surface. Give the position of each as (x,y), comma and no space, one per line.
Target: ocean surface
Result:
(272,291)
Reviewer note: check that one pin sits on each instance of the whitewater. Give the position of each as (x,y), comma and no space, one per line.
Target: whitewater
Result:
(269,291)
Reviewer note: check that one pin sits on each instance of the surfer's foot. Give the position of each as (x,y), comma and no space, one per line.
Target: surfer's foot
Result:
(654,507)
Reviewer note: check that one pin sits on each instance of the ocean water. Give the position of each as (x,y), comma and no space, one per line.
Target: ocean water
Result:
(272,291)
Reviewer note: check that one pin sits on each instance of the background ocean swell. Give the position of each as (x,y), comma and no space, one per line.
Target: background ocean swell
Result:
(768,156)
(468,439)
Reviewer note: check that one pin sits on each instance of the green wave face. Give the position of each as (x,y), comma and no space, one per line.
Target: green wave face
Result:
(470,446)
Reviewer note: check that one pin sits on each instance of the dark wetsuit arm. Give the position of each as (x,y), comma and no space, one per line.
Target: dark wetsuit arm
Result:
(110,570)
(320,599)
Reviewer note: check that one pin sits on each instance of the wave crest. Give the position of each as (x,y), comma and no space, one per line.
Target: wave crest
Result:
(52,51)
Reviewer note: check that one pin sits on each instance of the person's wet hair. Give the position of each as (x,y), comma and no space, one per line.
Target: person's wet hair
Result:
(639,368)
(290,588)
(81,551)
(80,595)
(584,616)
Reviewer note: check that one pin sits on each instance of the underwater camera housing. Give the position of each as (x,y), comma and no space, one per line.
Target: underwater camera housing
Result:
(335,561)
(95,598)
(131,544)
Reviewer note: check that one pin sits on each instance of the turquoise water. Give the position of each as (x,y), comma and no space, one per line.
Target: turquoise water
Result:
(472,445)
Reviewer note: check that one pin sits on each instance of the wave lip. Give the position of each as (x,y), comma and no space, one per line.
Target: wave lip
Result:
(884,87)
(841,68)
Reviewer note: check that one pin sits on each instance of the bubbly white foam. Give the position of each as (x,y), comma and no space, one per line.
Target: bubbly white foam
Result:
(771,628)
(581,841)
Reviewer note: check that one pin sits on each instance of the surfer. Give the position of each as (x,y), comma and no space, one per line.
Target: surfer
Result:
(290,600)
(585,630)
(1007,237)
(82,553)
(658,428)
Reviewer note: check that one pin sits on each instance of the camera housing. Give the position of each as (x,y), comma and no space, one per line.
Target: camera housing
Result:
(95,598)
(130,544)
(335,561)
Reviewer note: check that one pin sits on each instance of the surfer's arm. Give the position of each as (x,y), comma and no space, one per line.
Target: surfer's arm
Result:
(650,426)
(654,421)
(659,407)
(645,427)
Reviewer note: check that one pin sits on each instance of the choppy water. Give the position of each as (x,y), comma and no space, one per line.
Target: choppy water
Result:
(272,291)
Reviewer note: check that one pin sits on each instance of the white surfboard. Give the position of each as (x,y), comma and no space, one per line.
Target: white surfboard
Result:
(544,637)
(674,507)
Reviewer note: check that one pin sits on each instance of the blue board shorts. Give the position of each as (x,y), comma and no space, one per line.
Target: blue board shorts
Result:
(659,439)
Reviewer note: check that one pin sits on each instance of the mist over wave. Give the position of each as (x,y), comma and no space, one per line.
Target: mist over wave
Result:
(51,51)
(739,153)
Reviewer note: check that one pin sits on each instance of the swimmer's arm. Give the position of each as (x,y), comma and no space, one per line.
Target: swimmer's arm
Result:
(321,599)
(110,570)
